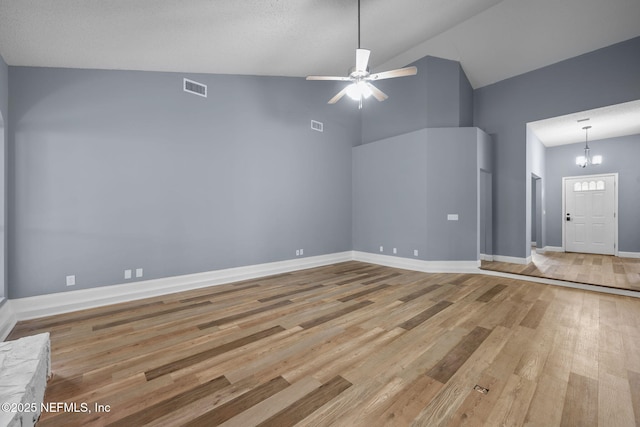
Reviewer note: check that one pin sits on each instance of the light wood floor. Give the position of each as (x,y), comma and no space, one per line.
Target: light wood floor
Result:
(600,270)
(351,344)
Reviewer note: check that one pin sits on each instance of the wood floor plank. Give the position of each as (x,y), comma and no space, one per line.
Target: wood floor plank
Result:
(420,292)
(274,404)
(448,366)
(425,315)
(199,357)
(218,294)
(149,315)
(545,408)
(534,315)
(334,315)
(486,297)
(229,319)
(308,404)
(614,408)
(408,404)
(634,387)
(362,293)
(581,402)
(241,403)
(289,293)
(381,278)
(511,407)
(159,409)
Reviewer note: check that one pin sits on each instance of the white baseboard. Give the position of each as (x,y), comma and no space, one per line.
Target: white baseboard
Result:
(64,302)
(485,257)
(418,265)
(7,320)
(512,259)
(629,254)
(552,249)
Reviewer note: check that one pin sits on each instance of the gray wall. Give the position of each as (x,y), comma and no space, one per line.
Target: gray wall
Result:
(619,155)
(452,174)
(603,77)
(485,192)
(438,96)
(536,170)
(4,125)
(465,100)
(390,195)
(404,187)
(115,170)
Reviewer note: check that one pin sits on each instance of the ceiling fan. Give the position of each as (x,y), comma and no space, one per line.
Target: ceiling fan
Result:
(361,87)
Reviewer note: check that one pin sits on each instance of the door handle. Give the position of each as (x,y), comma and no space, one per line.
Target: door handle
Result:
(568,217)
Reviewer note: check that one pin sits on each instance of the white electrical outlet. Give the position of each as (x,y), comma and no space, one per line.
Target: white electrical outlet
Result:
(452,217)
(395,250)
(71,280)
(139,272)
(301,251)
(127,274)
(381,249)
(415,252)
(297,252)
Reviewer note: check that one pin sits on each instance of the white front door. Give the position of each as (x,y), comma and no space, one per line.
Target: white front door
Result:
(589,214)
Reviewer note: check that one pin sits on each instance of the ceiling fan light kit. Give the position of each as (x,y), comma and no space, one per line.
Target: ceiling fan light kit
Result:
(361,87)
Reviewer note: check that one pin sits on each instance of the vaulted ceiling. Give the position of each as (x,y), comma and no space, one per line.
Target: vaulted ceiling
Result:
(493,39)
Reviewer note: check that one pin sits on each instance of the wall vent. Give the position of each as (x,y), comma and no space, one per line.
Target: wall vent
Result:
(194,87)
(316,125)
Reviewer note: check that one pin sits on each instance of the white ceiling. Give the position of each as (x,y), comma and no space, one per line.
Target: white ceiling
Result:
(606,122)
(493,39)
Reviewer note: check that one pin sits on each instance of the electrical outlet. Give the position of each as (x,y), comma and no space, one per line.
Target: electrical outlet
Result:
(415,252)
(381,249)
(395,250)
(297,252)
(301,251)
(138,272)
(71,280)
(127,274)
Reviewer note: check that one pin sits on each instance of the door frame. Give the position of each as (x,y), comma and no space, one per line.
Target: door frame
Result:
(615,207)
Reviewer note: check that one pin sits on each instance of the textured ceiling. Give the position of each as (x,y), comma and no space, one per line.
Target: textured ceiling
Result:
(607,122)
(493,39)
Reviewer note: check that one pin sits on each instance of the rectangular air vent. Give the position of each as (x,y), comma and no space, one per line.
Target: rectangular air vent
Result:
(194,87)
(316,125)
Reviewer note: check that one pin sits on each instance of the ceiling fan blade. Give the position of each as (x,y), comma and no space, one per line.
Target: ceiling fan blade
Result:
(338,78)
(400,72)
(338,96)
(377,93)
(362,59)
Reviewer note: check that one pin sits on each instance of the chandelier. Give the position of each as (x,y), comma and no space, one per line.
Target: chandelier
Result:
(586,160)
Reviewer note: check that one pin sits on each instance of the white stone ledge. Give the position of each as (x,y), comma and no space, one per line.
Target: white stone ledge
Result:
(25,366)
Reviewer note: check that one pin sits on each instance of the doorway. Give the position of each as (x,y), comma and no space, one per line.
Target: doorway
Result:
(486,216)
(536,212)
(590,221)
